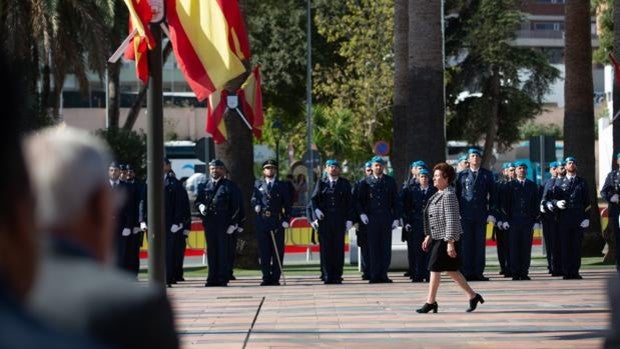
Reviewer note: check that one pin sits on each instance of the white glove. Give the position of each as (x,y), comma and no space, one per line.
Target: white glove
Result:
(315,225)
(585,223)
(231,229)
(174,228)
(257,208)
(550,206)
(491,219)
(240,229)
(348,224)
(285,225)
(615,198)
(561,204)
(500,225)
(203,209)
(542,208)
(136,230)
(143,226)
(319,214)
(186,232)
(126,232)
(506,226)
(536,226)
(395,224)
(364,218)
(407,227)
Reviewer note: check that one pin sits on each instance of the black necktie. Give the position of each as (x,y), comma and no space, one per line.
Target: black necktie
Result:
(475,174)
(331,184)
(269,186)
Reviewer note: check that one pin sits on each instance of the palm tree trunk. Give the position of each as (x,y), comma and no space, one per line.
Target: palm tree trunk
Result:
(426,104)
(114,94)
(579,110)
(616,89)
(401,124)
(491,133)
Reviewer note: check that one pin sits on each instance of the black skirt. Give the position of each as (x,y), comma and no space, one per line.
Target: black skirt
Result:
(439,259)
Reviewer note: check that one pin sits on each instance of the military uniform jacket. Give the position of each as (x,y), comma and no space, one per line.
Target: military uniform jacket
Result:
(336,200)
(476,193)
(378,195)
(221,200)
(498,211)
(130,211)
(173,202)
(575,192)
(413,200)
(611,187)
(521,202)
(276,201)
(547,193)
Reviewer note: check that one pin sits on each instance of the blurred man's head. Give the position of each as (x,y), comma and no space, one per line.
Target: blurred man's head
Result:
(18,248)
(79,210)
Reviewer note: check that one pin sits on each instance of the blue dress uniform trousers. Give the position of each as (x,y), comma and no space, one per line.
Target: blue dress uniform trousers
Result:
(522,209)
(173,211)
(520,236)
(334,200)
(275,201)
(413,201)
(501,236)
(550,228)
(362,236)
(610,188)
(473,246)
(378,199)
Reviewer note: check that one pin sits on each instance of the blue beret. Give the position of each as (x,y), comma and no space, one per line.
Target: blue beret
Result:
(216,163)
(166,161)
(570,158)
(510,164)
(377,160)
(114,164)
(473,151)
(553,164)
(561,163)
(421,163)
(424,171)
(463,158)
(123,167)
(520,164)
(368,164)
(268,163)
(618,156)
(413,164)
(332,163)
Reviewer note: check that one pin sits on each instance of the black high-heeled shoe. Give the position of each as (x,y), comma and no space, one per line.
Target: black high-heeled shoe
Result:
(473,303)
(427,307)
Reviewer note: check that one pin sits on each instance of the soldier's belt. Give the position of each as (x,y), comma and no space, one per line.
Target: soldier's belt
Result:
(266,214)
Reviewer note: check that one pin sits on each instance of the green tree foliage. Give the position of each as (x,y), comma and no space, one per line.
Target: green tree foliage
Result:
(128,147)
(531,129)
(603,9)
(479,44)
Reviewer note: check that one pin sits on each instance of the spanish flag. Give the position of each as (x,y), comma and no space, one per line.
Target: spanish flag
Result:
(251,100)
(201,32)
(216,107)
(140,15)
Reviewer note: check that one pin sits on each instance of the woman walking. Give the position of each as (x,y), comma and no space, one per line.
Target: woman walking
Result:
(442,228)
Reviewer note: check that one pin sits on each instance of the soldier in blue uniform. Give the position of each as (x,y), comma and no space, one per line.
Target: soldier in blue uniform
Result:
(239,220)
(272,202)
(332,206)
(462,164)
(571,199)
(500,230)
(521,207)
(122,218)
(361,230)
(475,188)
(186,213)
(173,212)
(611,193)
(550,222)
(413,201)
(136,198)
(217,202)
(378,209)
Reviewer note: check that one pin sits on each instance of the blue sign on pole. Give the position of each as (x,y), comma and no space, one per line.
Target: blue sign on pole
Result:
(381,148)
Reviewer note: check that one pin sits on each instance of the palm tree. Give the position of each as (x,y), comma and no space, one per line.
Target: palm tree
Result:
(616,88)
(426,101)
(579,109)
(402,124)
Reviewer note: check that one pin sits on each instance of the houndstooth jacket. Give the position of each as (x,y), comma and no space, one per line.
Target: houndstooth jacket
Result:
(442,220)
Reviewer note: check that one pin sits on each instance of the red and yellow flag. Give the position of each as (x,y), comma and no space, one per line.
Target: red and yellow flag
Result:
(201,35)
(140,15)
(251,100)
(216,107)
(616,66)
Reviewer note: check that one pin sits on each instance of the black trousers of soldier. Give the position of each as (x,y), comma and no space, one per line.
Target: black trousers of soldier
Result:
(473,247)
(613,223)
(379,245)
(170,255)
(331,235)
(268,259)
(217,252)
(122,255)
(362,242)
(520,237)
(503,250)
(179,258)
(418,259)
(549,227)
(133,252)
(232,250)
(570,243)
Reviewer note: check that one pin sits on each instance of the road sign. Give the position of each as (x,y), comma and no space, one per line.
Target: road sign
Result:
(381,148)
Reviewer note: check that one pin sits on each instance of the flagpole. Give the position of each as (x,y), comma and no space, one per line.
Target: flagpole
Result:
(155,164)
(310,153)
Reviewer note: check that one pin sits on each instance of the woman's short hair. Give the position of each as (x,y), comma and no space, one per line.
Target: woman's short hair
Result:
(447,171)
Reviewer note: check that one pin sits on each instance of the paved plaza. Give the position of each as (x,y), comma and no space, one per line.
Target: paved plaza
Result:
(545,312)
